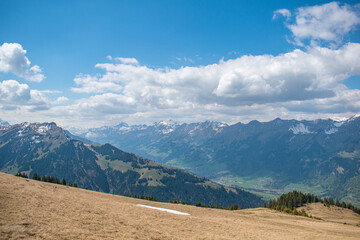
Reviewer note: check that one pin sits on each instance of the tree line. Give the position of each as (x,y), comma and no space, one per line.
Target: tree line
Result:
(290,201)
(145,197)
(199,204)
(47,178)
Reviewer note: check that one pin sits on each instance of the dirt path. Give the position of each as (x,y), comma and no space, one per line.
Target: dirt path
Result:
(36,210)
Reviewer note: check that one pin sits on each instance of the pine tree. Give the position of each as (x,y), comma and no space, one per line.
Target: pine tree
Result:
(36,177)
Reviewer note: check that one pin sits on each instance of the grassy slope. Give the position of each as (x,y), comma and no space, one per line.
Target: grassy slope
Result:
(36,210)
(332,214)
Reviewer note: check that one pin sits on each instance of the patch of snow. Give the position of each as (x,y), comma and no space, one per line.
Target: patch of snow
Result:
(43,129)
(34,137)
(338,124)
(163,209)
(352,118)
(340,170)
(300,129)
(124,128)
(167,123)
(23,127)
(221,124)
(356,116)
(218,126)
(167,131)
(331,131)
(165,127)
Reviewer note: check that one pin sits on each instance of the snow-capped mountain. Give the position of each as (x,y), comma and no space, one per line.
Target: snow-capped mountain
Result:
(3,123)
(284,151)
(47,149)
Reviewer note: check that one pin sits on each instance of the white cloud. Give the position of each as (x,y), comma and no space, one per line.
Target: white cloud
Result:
(14,95)
(92,84)
(305,83)
(105,104)
(297,75)
(345,100)
(329,22)
(132,61)
(248,86)
(283,12)
(13,60)
(61,100)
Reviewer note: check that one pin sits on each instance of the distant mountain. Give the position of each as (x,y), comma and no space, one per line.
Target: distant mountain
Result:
(84,140)
(4,123)
(320,156)
(46,149)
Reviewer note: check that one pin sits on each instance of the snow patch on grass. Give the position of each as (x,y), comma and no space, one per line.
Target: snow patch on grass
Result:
(163,209)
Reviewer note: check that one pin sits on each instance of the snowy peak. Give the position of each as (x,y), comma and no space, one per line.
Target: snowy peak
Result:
(121,125)
(167,123)
(35,133)
(165,127)
(348,120)
(353,118)
(207,128)
(37,128)
(124,127)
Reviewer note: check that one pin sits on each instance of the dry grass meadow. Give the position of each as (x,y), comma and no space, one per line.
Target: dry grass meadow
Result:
(37,210)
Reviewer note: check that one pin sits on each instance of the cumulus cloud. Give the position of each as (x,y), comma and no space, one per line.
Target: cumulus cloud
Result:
(13,60)
(92,84)
(132,61)
(304,81)
(14,95)
(297,75)
(345,100)
(328,23)
(104,104)
(282,12)
(61,100)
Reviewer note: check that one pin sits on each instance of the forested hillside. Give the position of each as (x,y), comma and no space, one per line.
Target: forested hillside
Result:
(46,149)
(269,158)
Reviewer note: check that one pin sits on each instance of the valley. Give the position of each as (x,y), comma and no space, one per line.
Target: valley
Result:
(46,149)
(267,158)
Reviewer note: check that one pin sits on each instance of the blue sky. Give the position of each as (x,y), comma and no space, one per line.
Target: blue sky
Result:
(102,62)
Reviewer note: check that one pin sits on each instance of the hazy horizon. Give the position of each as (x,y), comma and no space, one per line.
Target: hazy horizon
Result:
(96,63)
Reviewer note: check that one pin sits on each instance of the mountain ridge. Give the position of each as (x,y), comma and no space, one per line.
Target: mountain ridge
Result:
(321,156)
(46,149)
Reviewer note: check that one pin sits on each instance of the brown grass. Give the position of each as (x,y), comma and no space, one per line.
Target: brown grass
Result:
(332,214)
(36,210)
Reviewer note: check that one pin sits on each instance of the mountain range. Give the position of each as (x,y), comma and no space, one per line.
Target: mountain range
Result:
(46,149)
(269,158)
